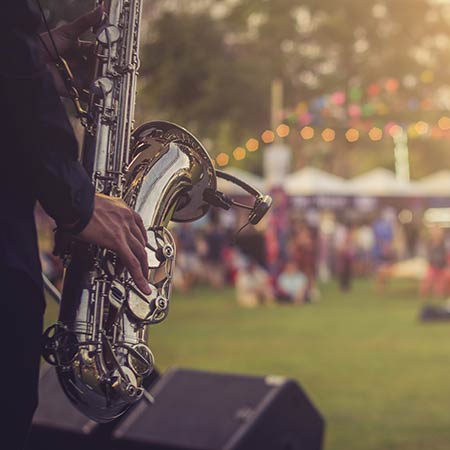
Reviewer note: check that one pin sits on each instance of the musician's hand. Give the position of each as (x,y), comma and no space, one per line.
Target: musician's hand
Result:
(115,226)
(78,54)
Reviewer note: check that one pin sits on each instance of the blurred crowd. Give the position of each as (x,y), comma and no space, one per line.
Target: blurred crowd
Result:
(292,251)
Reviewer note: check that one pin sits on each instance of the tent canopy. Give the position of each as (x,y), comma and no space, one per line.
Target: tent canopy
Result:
(310,181)
(437,183)
(380,182)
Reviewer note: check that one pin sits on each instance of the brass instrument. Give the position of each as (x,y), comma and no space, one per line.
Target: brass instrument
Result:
(99,344)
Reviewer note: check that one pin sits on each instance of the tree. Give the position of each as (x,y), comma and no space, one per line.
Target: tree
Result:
(208,65)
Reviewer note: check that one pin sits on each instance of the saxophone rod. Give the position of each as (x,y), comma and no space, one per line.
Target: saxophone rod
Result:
(51,289)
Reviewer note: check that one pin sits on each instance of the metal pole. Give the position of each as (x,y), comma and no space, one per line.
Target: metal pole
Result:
(276,105)
(401,154)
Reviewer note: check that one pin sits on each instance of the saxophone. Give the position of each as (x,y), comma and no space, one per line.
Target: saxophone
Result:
(99,343)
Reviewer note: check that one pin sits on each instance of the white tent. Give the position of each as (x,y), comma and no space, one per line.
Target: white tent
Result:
(311,181)
(380,182)
(437,184)
(231,189)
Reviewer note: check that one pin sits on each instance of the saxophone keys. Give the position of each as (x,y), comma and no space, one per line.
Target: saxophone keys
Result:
(117,294)
(108,34)
(141,360)
(101,87)
(59,347)
(140,305)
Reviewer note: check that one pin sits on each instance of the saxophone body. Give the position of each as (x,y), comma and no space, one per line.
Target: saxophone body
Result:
(100,343)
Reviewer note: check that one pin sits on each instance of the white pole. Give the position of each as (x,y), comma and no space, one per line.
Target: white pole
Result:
(401,154)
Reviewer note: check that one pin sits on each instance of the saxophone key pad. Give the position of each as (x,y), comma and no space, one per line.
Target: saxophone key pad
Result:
(108,34)
(117,294)
(140,305)
(141,360)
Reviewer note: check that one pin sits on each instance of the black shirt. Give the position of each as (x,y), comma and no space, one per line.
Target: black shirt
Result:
(38,149)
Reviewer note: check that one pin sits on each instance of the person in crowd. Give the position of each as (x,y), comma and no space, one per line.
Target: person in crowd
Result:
(304,252)
(188,265)
(383,230)
(327,227)
(345,251)
(253,285)
(292,284)
(215,238)
(364,242)
(383,249)
(437,278)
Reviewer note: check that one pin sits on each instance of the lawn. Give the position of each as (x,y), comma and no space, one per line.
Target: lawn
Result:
(379,376)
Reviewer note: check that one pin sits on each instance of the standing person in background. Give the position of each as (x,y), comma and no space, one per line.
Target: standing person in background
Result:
(215,241)
(345,251)
(365,240)
(437,278)
(40,162)
(305,256)
(383,249)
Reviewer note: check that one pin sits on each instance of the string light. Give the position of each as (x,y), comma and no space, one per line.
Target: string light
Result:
(283,130)
(441,130)
(444,123)
(239,153)
(427,76)
(412,131)
(421,127)
(328,135)
(391,85)
(395,130)
(307,133)
(352,135)
(252,145)
(222,159)
(268,136)
(376,134)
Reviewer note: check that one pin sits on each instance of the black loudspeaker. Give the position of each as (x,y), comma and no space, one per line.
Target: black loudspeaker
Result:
(196,410)
(57,424)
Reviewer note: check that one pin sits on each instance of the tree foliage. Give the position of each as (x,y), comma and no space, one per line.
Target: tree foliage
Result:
(209,64)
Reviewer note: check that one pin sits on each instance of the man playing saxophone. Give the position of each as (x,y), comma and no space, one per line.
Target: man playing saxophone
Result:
(40,163)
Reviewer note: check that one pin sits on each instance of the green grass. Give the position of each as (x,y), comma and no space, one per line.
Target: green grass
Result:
(380,378)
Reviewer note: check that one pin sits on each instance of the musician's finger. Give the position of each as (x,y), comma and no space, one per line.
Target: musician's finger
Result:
(134,266)
(137,233)
(140,224)
(140,253)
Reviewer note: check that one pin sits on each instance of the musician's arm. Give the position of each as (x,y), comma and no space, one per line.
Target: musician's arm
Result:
(34,113)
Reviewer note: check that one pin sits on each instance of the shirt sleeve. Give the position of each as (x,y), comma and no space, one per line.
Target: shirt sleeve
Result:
(37,119)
